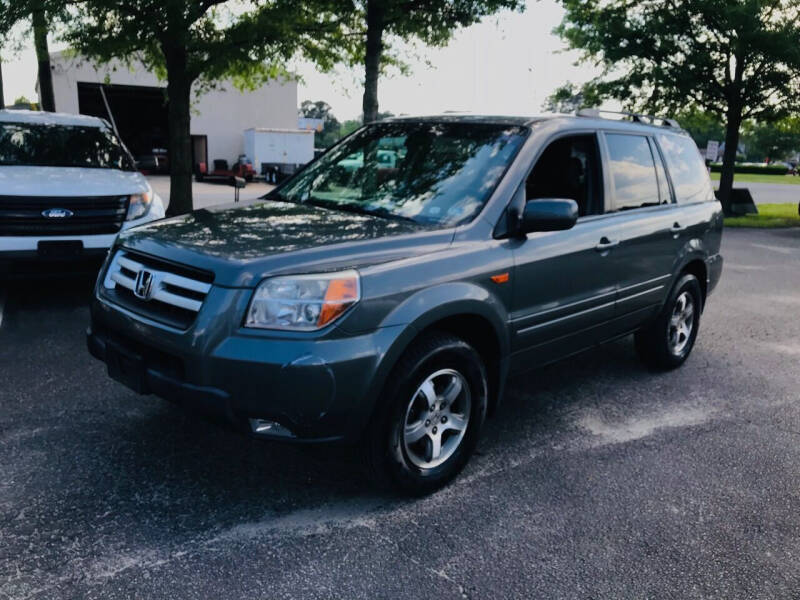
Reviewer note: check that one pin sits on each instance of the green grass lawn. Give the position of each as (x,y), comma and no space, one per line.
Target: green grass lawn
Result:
(757,178)
(769,215)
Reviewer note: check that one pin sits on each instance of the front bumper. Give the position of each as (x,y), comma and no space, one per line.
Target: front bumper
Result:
(39,255)
(320,388)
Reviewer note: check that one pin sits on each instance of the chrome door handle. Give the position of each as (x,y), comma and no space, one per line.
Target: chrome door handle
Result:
(606,244)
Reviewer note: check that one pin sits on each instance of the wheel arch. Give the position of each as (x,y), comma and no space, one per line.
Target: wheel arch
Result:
(470,312)
(697,267)
(479,333)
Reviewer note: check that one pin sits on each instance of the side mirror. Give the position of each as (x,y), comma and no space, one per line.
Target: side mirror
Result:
(550,214)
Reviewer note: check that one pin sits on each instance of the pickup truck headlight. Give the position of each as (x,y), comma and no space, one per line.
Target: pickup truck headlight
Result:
(138,205)
(303,302)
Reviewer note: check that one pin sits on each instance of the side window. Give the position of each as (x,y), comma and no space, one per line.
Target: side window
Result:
(569,168)
(633,171)
(687,169)
(664,192)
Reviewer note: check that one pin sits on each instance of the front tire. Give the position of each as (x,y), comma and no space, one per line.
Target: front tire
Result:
(431,415)
(667,342)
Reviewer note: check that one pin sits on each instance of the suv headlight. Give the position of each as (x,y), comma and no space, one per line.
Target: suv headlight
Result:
(303,302)
(138,205)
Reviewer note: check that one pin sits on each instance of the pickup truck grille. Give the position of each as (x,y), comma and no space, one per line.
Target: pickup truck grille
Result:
(159,290)
(85,215)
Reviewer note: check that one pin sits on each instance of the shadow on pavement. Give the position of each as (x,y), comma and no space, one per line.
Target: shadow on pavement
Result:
(113,459)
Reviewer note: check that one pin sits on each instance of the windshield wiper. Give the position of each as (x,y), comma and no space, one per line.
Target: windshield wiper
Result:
(352,207)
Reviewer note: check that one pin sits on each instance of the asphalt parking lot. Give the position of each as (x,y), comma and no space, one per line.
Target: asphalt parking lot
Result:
(205,194)
(596,479)
(771,193)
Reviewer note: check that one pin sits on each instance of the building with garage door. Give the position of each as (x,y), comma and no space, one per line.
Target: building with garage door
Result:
(137,101)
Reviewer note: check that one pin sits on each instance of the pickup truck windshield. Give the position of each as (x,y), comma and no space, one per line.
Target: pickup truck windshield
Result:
(432,173)
(27,144)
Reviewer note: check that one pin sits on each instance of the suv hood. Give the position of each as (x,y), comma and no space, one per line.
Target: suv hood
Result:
(243,243)
(69,181)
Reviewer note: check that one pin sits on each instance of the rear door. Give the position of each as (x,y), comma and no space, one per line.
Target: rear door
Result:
(691,185)
(646,225)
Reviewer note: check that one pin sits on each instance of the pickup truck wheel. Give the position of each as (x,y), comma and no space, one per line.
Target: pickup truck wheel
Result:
(668,341)
(433,409)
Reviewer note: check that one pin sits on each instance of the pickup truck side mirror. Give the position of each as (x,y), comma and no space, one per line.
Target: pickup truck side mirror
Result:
(548,214)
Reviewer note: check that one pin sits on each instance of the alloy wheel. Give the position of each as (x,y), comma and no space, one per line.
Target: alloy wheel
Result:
(679,328)
(436,418)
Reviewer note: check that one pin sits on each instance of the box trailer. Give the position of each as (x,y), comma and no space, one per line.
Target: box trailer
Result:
(278,152)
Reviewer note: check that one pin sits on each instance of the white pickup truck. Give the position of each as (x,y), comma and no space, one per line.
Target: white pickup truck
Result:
(68,186)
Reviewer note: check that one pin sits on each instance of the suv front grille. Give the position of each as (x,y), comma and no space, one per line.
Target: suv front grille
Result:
(156,289)
(85,215)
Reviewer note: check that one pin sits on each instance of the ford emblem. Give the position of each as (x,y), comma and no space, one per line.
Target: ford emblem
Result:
(57,213)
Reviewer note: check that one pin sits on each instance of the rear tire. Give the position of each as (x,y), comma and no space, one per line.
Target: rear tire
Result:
(431,414)
(667,342)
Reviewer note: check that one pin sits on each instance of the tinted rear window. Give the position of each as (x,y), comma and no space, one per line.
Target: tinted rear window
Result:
(26,144)
(686,167)
(633,172)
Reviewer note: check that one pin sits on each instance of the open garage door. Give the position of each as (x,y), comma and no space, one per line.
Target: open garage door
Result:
(141,116)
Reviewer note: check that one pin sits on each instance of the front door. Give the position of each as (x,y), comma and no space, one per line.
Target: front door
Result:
(564,281)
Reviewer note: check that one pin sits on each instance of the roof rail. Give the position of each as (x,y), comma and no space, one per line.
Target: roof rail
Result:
(597,113)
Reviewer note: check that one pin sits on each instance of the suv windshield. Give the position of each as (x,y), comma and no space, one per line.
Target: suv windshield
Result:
(434,173)
(27,144)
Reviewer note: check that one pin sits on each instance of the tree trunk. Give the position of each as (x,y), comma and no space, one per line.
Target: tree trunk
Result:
(47,99)
(2,98)
(734,122)
(372,58)
(179,85)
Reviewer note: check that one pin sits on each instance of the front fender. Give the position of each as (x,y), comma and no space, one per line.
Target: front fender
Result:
(424,309)
(427,306)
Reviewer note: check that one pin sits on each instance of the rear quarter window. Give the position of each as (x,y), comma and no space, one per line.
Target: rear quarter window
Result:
(686,168)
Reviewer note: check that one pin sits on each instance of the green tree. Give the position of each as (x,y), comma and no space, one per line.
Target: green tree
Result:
(701,125)
(375,26)
(570,97)
(331,128)
(10,14)
(23,101)
(195,44)
(41,13)
(350,126)
(737,59)
(773,141)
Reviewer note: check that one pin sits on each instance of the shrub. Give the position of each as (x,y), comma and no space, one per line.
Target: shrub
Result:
(759,168)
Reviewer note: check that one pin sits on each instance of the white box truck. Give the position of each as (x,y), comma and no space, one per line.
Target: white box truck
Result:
(278,151)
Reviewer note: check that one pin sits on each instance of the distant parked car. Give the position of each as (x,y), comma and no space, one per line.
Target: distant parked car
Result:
(386,158)
(68,186)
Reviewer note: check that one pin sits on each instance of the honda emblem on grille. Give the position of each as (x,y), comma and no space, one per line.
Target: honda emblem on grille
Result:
(57,213)
(144,285)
